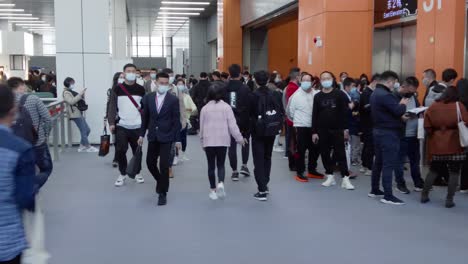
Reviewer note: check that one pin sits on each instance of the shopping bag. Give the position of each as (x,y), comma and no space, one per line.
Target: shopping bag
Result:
(105,144)
(35,235)
(462,129)
(134,166)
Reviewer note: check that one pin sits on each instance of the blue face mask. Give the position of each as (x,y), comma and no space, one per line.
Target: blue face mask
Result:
(162,89)
(181,88)
(131,77)
(153,76)
(306,85)
(354,90)
(327,84)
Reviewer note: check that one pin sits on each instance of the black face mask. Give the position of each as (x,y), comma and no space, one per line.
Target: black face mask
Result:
(408,95)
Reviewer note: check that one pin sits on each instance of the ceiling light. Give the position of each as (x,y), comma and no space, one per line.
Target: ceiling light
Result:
(7,5)
(184,3)
(11,10)
(167,17)
(13,14)
(23,21)
(19,18)
(179,13)
(33,24)
(183,8)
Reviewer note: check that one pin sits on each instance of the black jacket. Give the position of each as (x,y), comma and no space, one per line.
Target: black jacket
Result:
(199,93)
(365,110)
(238,96)
(164,126)
(386,109)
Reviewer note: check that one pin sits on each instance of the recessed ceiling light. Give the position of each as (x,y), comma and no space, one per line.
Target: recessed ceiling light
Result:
(184,3)
(171,17)
(183,8)
(11,10)
(23,21)
(179,13)
(13,14)
(19,18)
(7,5)
(33,24)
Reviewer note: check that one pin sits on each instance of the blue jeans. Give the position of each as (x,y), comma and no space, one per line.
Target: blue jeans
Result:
(387,148)
(44,163)
(84,130)
(409,146)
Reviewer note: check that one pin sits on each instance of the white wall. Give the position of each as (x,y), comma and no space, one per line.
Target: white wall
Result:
(252,10)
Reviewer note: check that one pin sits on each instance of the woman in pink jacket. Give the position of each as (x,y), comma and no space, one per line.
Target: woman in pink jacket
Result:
(217,125)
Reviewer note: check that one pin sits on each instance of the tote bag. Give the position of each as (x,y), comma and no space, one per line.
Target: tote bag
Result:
(105,143)
(462,129)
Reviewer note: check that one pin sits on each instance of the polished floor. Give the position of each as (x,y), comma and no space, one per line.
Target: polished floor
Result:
(88,220)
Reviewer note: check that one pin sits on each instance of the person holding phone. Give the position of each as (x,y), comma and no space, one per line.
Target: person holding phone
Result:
(72,98)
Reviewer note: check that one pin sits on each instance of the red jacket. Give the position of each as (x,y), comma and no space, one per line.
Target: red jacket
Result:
(290,90)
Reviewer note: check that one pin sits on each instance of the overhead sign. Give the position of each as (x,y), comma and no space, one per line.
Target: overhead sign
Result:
(393,10)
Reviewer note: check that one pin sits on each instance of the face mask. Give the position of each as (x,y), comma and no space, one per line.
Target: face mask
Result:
(277,80)
(162,89)
(397,85)
(426,82)
(121,80)
(131,77)
(153,76)
(306,85)
(354,90)
(327,84)
(138,76)
(72,86)
(181,88)
(44,79)
(171,80)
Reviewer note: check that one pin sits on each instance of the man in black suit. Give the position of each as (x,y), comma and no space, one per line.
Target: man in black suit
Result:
(161,117)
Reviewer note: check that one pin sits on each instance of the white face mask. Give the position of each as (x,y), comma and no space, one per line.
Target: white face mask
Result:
(121,80)
(72,86)
(162,89)
(181,87)
(44,78)
(171,79)
(131,77)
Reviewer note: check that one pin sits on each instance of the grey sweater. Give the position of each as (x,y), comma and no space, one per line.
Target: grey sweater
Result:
(40,116)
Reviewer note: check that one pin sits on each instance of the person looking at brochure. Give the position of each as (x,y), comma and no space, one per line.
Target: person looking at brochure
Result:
(409,144)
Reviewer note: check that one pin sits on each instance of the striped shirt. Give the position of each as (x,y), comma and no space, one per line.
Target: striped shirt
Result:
(16,192)
(40,116)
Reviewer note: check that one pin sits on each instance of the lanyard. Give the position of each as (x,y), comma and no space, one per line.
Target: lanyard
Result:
(158,107)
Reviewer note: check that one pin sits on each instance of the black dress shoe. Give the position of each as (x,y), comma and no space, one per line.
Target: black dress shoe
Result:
(162,199)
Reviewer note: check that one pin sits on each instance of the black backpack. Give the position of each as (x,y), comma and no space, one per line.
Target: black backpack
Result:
(23,126)
(270,117)
(81,105)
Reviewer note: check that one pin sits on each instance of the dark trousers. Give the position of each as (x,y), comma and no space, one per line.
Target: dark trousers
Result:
(162,152)
(387,148)
(331,139)
(290,145)
(409,147)
(441,170)
(304,143)
(454,169)
(464,176)
(124,137)
(233,152)
(16,260)
(44,163)
(216,157)
(367,155)
(183,138)
(262,147)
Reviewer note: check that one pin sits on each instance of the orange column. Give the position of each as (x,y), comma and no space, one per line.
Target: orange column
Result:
(282,44)
(440,36)
(346,29)
(229,34)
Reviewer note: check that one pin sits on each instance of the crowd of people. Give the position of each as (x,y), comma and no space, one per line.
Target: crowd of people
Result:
(371,127)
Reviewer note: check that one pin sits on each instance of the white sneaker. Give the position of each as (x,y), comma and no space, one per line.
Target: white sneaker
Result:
(362,169)
(213,195)
(346,184)
(278,149)
(330,181)
(221,192)
(139,179)
(368,173)
(120,181)
(92,149)
(464,191)
(82,148)
(176,161)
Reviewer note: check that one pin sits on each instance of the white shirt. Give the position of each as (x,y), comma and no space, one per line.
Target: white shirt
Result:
(160,99)
(300,106)
(153,86)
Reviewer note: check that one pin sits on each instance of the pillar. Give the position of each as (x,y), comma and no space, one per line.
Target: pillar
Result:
(82,40)
(229,34)
(440,36)
(120,40)
(38,45)
(345,28)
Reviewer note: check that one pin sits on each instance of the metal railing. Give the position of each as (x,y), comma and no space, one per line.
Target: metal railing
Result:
(61,134)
